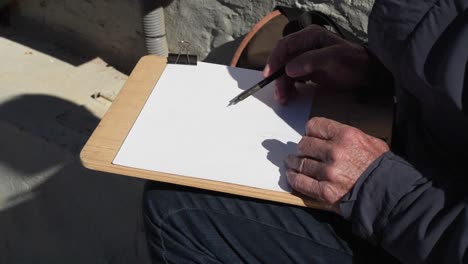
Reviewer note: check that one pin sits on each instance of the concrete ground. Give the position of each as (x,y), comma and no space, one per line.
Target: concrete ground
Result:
(52,210)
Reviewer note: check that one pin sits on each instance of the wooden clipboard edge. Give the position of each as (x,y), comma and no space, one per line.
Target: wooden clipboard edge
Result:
(106,140)
(224,187)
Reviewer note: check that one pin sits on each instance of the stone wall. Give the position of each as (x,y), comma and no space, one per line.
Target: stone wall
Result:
(215,27)
(113,29)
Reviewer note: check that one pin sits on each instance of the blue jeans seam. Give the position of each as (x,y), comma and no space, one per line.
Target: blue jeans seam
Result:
(162,242)
(170,214)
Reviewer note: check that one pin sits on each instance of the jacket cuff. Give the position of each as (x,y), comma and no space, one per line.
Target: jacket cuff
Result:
(376,193)
(347,202)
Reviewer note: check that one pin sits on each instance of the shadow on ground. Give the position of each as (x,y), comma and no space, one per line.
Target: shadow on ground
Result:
(52,210)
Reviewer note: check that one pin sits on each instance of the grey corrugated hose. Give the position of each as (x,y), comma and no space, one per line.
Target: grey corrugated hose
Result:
(155,32)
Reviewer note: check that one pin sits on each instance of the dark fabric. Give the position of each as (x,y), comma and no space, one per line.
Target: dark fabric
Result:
(186,225)
(380,82)
(465,90)
(415,205)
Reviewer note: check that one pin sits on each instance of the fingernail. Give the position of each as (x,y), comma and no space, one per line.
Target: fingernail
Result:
(266,71)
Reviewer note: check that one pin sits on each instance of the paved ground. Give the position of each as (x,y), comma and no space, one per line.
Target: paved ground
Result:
(52,210)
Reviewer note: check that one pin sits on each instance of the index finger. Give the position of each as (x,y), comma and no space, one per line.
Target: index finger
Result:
(323,128)
(312,37)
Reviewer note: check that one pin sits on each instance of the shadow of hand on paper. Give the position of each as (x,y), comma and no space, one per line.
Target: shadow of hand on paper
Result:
(296,120)
(275,149)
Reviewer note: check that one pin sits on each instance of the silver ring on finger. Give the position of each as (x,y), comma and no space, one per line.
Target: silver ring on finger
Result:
(301,166)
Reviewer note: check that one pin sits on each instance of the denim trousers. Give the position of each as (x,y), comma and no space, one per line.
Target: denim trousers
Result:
(188,225)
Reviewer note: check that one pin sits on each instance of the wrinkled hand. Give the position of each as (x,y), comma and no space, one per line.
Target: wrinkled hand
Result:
(331,158)
(318,55)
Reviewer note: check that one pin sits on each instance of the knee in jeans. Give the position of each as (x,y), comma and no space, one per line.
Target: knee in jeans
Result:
(163,199)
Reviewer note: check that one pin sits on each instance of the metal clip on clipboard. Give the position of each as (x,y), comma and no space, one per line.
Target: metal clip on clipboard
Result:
(183,57)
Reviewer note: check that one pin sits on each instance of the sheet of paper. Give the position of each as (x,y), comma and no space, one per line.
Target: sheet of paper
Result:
(186,128)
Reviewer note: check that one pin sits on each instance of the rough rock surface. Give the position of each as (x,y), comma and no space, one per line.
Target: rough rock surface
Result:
(111,30)
(215,27)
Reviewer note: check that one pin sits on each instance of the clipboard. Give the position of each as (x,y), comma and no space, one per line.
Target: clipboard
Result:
(105,142)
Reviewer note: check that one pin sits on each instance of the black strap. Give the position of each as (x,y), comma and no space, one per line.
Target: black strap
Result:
(298,19)
(290,13)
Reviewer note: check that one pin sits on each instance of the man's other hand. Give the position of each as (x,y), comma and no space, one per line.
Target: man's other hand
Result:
(318,55)
(331,158)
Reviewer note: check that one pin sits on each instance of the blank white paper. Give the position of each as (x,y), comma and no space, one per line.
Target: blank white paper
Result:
(186,128)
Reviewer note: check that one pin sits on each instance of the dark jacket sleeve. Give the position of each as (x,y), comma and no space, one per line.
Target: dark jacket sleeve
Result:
(394,206)
(446,67)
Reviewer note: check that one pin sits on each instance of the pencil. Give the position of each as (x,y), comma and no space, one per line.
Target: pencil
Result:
(257,87)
